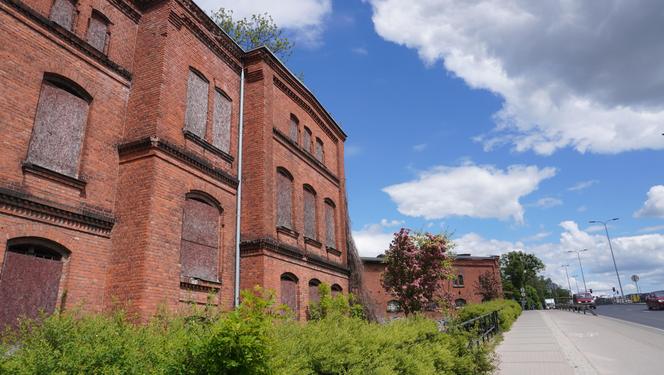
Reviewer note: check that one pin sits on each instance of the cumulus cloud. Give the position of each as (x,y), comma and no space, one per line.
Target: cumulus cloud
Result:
(468,190)
(304,18)
(548,202)
(579,74)
(654,205)
(640,254)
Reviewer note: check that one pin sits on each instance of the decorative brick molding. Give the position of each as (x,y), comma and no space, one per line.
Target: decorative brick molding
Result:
(312,242)
(255,246)
(333,251)
(26,204)
(69,37)
(48,174)
(198,285)
(305,155)
(182,155)
(287,231)
(127,9)
(208,146)
(255,76)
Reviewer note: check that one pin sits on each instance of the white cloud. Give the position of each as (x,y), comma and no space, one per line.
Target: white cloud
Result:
(654,228)
(468,190)
(372,240)
(536,237)
(305,18)
(579,74)
(581,185)
(360,51)
(582,208)
(391,223)
(641,254)
(654,205)
(548,202)
(420,147)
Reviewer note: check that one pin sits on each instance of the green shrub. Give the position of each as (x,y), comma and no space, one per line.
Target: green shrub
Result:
(334,305)
(508,311)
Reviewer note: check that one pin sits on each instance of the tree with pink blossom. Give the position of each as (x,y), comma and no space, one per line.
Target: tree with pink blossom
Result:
(416,265)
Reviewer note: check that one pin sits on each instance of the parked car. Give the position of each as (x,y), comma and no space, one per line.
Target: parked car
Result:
(584,299)
(549,303)
(655,300)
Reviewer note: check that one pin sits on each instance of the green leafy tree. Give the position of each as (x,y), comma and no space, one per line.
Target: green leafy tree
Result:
(329,305)
(487,286)
(518,269)
(416,264)
(255,31)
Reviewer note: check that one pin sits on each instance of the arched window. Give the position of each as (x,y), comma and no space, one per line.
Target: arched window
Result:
(314,295)
(393,306)
(98,30)
(458,281)
(199,254)
(320,152)
(30,278)
(63,13)
(197,104)
(306,139)
(294,128)
(459,302)
(221,125)
(284,198)
(309,195)
(289,291)
(57,137)
(336,289)
(330,224)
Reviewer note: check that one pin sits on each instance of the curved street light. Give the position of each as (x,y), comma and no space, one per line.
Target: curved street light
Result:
(606,229)
(585,288)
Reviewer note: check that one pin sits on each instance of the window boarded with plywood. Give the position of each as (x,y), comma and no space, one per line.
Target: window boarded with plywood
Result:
(28,285)
(320,152)
(199,255)
(97,31)
(314,293)
(330,225)
(284,199)
(63,12)
(293,130)
(221,124)
(306,139)
(57,136)
(309,196)
(197,104)
(289,292)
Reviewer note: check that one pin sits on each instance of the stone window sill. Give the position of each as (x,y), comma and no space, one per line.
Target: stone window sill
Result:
(48,174)
(208,146)
(333,251)
(195,284)
(312,242)
(287,231)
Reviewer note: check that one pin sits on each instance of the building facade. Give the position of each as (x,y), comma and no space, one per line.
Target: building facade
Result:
(119,167)
(461,289)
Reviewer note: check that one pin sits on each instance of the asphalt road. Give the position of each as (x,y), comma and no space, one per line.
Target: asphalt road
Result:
(637,313)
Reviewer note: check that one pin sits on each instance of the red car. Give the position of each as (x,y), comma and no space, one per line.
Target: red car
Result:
(584,299)
(655,300)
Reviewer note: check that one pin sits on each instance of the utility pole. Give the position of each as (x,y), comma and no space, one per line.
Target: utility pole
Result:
(606,229)
(585,288)
(569,285)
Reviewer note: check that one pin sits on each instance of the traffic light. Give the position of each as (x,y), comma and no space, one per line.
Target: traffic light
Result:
(614,289)
(591,291)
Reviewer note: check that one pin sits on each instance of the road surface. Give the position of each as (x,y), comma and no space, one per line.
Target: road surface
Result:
(637,313)
(554,342)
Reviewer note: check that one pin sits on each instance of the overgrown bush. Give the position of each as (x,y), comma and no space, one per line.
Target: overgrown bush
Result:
(334,305)
(508,311)
(257,338)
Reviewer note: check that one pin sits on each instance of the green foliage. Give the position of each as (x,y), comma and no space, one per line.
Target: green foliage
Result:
(487,286)
(329,305)
(508,311)
(256,338)
(255,31)
(518,268)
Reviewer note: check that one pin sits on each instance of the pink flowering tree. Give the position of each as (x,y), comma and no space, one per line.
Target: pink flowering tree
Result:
(416,265)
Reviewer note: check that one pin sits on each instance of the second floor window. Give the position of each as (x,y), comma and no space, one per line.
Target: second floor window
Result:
(306,139)
(62,13)
(320,153)
(330,225)
(197,104)
(98,31)
(199,254)
(309,212)
(221,124)
(293,130)
(57,136)
(284,199)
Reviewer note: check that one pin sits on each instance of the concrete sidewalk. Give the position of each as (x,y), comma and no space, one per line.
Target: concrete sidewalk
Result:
(562,343)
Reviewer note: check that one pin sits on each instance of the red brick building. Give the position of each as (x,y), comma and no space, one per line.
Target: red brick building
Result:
(119,167)
(461,289)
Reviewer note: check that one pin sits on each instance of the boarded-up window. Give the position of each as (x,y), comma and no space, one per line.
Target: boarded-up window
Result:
(28,283)
(284,199)
(293,130)
(336,289)
(306,139)
(98,31)
(221,125)
(62,13)
(197,104)
(200,240)
(309,212)
(314,295)
(57,136)
(330,225)
(320,153)
(289,292)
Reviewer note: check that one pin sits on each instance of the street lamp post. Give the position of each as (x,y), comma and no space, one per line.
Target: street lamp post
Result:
(583,277)
(606,230)
(576,281)
(569,285)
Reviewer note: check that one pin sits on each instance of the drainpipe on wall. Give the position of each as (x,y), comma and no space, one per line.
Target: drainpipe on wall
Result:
(238,208)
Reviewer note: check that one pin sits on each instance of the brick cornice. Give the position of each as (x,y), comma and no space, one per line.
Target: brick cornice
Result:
(320,167)
(29,205)
(255,246)
(127,9)
(187,157)
(68,37)
(208,146)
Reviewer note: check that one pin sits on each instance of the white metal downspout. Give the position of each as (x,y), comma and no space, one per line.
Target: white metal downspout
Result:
(238,208)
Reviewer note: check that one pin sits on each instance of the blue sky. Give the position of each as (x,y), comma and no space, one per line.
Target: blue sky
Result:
(509,124)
